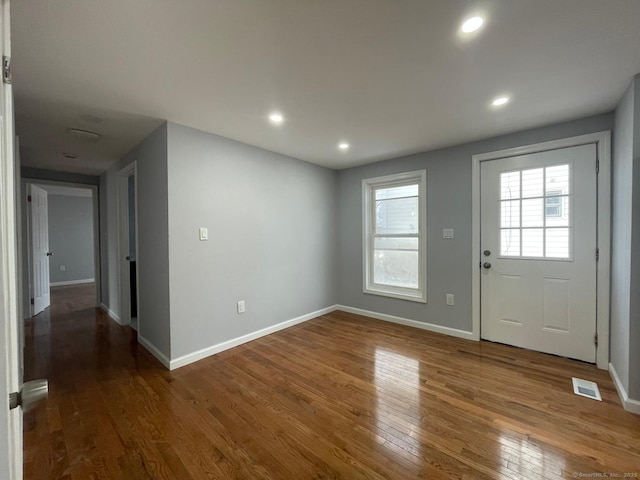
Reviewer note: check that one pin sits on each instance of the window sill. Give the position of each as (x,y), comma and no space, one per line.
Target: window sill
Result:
(419,297)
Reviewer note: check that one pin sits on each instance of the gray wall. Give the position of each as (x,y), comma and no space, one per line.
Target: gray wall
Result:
(71,238)
(272,238)
(634,319)
(625,267)
(622,191)
(448,206)
(153,231)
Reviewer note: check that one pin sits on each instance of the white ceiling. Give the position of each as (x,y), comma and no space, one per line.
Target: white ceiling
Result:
(391,77)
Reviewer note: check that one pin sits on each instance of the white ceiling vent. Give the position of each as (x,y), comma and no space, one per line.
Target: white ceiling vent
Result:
(585,388)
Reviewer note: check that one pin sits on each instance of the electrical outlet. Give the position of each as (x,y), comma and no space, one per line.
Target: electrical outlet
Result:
(241,306)
(450,299)
(63,268)
(447,233)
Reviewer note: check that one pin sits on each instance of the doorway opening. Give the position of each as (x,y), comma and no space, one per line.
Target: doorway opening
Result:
(60,242)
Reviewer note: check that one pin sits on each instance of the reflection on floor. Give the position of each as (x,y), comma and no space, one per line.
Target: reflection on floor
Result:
(134,323)
(340,396)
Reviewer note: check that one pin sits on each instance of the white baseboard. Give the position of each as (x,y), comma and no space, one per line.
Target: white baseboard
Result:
(111,313)
(454,332)
(234,342)
(72,282)
(153,350)
(629,404)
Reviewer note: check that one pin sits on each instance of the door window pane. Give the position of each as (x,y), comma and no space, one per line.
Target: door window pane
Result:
(532,215)
(510,214)
(557,211)
(510,185)
(557,243)
(533,242)
(510,242)
(557,179)
(532,183)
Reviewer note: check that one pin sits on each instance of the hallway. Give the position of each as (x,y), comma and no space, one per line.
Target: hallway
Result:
(76,347)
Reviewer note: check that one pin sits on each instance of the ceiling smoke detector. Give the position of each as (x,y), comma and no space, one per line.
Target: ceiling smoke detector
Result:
(84,135)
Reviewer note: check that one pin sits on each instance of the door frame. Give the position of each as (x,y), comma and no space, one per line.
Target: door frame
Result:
(123,243)
(603,280)
(26,230)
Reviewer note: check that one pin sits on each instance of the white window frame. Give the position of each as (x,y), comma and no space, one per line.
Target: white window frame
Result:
(368,223)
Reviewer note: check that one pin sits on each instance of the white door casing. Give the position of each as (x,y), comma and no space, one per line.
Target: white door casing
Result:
(39,224)
(538,242)
(602,144)
(10,420)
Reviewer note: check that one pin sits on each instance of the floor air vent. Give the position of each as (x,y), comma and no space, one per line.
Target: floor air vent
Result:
(585,388)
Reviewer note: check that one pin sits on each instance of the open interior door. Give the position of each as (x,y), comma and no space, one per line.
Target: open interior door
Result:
(13,394)
(10,419)
(39,223)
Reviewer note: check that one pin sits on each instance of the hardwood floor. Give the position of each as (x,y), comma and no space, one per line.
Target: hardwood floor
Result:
(340,396)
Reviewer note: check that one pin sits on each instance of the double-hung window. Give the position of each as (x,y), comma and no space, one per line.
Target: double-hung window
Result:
(394,223)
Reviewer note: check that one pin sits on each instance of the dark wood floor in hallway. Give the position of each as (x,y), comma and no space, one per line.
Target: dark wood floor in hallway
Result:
(340,396)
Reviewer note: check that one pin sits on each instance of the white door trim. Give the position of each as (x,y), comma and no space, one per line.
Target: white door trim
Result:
(603,144)
(123,242)
(26,230)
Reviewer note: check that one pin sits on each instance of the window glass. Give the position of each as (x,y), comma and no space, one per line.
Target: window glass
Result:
(394,214)
(535,212)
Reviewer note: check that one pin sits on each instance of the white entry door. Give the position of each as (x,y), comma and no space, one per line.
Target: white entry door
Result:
(40,248)
(538,251)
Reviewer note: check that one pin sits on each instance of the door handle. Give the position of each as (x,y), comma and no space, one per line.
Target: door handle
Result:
(128,258)
(486,265)
(31,393)
(49,254)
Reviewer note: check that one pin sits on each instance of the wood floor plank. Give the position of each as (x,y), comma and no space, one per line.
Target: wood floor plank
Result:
(338,397)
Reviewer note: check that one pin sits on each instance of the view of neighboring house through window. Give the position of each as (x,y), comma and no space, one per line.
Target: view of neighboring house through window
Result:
(394,228)
(535,213)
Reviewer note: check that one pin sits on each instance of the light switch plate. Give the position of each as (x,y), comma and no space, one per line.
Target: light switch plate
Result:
(204,234)
(447,233)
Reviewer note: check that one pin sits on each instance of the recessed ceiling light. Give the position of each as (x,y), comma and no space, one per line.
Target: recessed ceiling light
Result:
(472,24)
(276,118)
(343,146)
(69,155)
(500,101)
(85,135)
